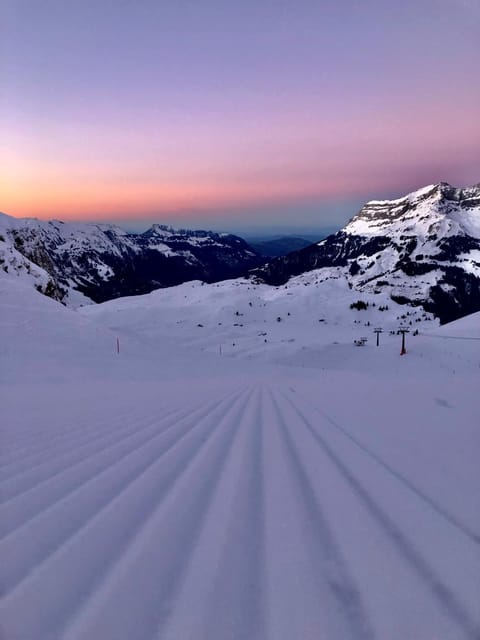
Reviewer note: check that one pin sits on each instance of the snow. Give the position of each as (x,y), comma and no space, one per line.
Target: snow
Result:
(469,221)
(425,214)
(104,271)
(414,195)
(78,253)
(14,266)
(162,248)
(69,237)
(203,483)
(372,220)
(420,229)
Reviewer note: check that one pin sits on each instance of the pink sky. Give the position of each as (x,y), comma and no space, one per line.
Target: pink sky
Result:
(223,125)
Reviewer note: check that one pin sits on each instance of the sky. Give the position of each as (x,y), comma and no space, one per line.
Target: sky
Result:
(253,116)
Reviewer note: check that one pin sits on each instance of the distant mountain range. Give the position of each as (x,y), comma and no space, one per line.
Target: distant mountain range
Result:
(275,247)
(423,249)
(104,261)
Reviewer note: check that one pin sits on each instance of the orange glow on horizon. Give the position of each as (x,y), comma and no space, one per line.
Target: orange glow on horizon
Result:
(71,201)
(109,175)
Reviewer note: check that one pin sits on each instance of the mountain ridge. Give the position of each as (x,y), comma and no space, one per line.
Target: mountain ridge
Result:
(102,261)
(424,248)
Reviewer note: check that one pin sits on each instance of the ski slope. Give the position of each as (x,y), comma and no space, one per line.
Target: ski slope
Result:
(173,492)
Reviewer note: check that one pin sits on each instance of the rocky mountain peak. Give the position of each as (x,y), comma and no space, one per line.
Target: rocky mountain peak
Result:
(423,248)
(420,213)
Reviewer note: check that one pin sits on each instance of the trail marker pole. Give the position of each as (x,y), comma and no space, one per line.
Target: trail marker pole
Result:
(378,332)
(118,345)
(403,332)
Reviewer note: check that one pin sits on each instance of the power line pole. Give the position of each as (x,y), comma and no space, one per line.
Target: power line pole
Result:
(378,331)
(403,331)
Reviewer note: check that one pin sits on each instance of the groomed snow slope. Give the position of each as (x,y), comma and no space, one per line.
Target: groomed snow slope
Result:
(314,490)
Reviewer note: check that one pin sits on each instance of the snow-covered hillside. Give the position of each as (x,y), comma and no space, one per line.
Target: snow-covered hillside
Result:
(292,323)
(203,483)
(422,250)
(14,266)
(103,261)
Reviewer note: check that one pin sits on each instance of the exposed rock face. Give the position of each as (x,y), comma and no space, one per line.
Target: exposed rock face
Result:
(423,248)
(104,261)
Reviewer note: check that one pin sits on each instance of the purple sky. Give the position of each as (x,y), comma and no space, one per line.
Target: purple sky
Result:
(234,115)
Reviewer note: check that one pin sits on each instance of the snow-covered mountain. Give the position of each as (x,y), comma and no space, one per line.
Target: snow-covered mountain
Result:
(104,261)
(423,249)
